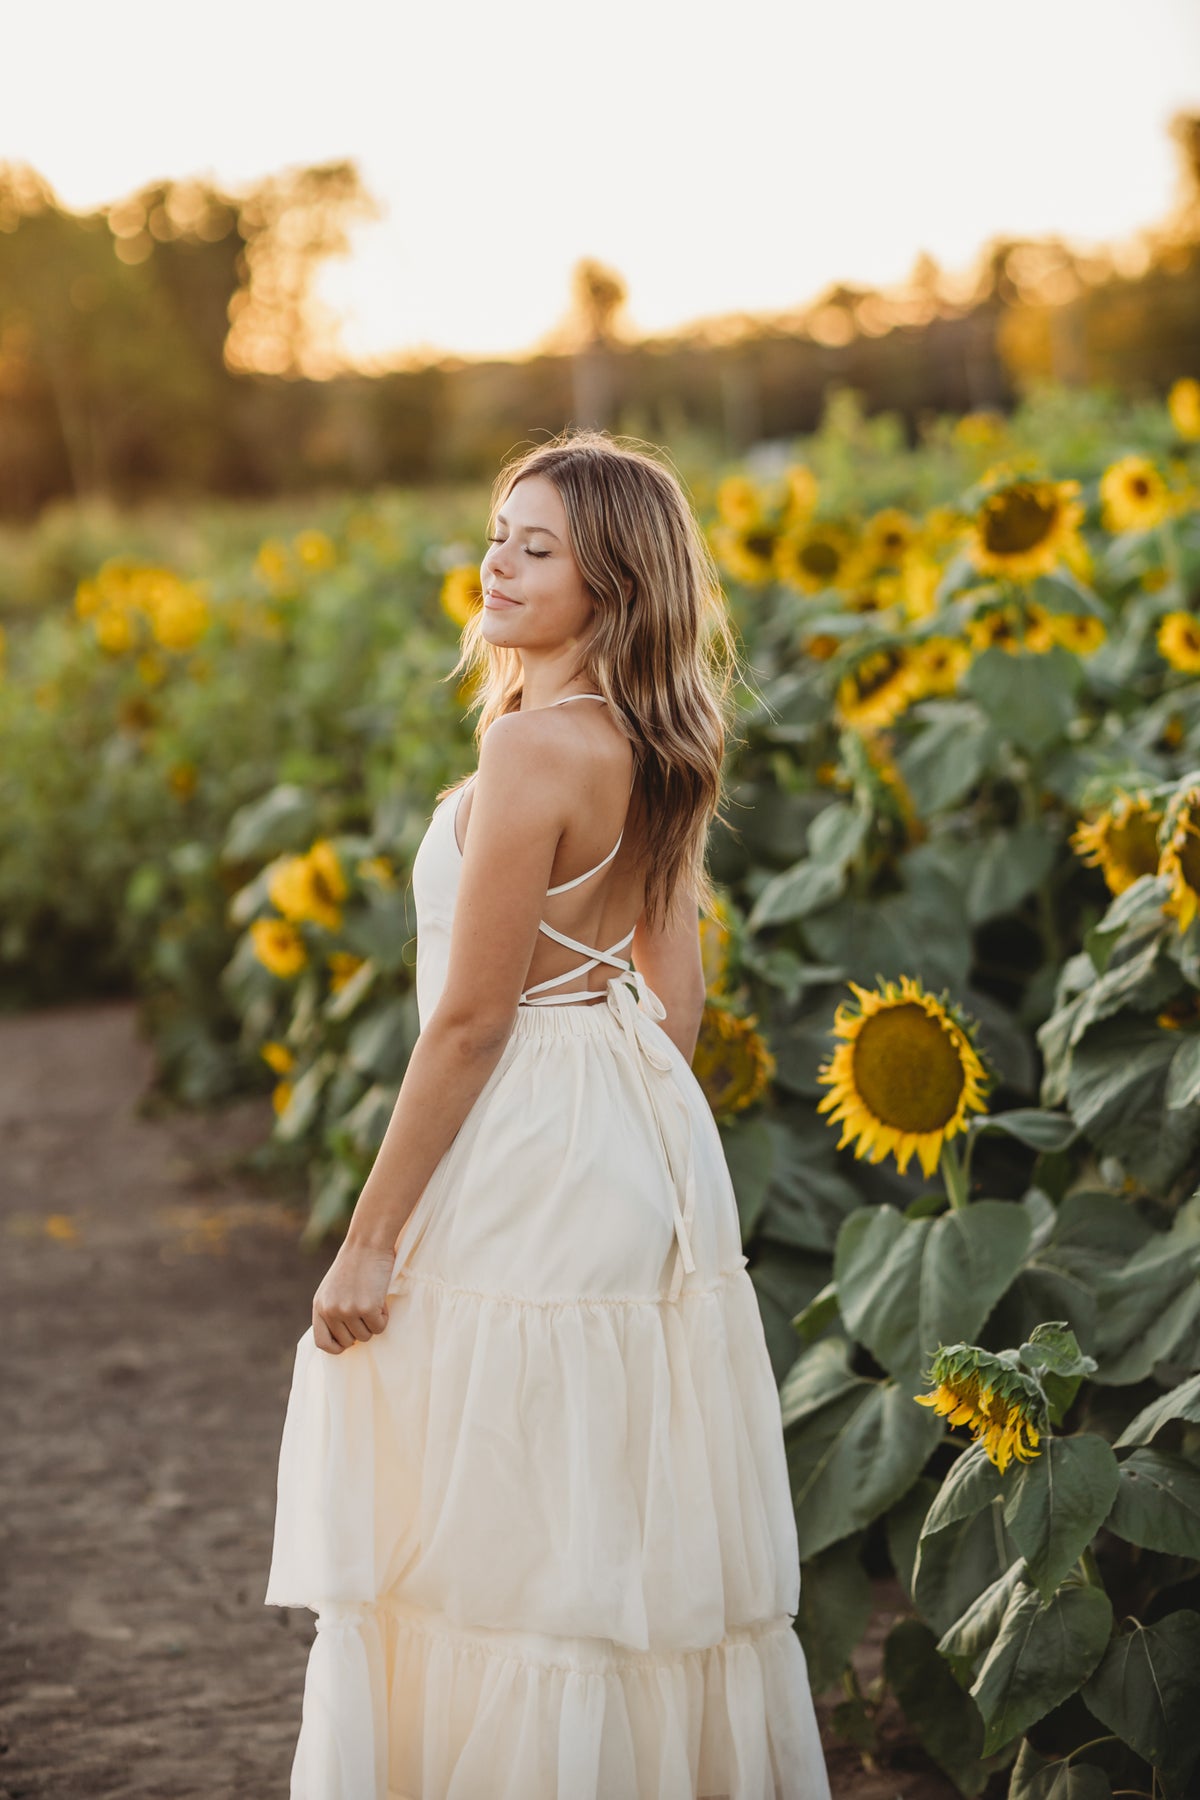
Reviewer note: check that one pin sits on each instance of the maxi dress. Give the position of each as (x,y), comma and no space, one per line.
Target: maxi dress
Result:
(543,1518)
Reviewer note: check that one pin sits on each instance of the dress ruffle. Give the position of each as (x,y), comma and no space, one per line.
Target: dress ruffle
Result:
(400,1706)
(607,1468)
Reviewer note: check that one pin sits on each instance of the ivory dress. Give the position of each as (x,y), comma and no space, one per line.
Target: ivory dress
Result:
(543,1518)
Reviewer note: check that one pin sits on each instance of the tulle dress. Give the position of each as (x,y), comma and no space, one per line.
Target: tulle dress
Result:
(543,1518)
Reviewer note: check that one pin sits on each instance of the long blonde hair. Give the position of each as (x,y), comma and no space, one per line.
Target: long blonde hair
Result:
(665,657)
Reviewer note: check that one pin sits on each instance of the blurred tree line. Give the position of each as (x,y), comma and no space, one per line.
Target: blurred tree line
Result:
(170,343)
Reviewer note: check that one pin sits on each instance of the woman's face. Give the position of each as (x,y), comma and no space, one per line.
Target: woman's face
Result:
(530,565)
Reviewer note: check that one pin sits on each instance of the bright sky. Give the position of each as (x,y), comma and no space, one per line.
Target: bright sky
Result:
(721,158)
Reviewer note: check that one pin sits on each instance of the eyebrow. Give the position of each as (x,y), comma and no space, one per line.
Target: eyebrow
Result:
(501,520)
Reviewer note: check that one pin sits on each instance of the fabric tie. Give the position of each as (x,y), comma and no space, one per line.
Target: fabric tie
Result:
(633,1005)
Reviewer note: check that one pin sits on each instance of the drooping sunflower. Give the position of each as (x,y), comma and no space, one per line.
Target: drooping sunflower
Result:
(732,1062)
(1179,641)
(1122,841)
(462,593)
(310,887)
(1005,1408)
(1133,495)
(1180,860)
(1024,527)
(1183,404)
(813,557)
(278,946)
(875,692)
(905,1077)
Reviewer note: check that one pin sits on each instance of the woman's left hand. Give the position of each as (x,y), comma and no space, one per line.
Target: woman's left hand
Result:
(350,1306)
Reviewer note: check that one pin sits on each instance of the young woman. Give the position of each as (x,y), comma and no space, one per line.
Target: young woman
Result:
(532,1476)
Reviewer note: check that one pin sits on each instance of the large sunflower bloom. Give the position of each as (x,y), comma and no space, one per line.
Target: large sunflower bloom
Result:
(1122,841)
(887,538)
(1003,1407)
(1133,495)
(905,1077)
(1024,528)
(1179,641)
(814,557)
(747,552)
(310,887)
(462,593)
(732,1062)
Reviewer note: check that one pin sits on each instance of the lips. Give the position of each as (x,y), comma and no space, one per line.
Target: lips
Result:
(498,599)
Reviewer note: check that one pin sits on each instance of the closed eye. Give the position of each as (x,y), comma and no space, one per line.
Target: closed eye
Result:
(528,551)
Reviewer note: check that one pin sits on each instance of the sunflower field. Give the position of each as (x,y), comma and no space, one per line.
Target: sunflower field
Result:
(952,1039)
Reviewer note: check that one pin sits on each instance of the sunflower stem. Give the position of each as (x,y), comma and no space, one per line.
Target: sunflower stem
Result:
(954,1176)
(1091,1572)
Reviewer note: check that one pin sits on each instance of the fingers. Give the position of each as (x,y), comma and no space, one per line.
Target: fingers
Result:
(335,1332)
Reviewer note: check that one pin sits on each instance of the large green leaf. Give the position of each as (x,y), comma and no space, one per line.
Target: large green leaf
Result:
(820,1375)
(973,1635)
(1157,1503)
(382,1039)
(1030,699)
(1183,1077)
(947,756)
(1034,1777)
(955,1566)
(798,891)
(902,1528)
(1042,1653)
(285,819)
(852,1459)
(1145,1690)
(942,1715)
(1183,1402)
(1008,866)
(1149,1308)
(906,1285)
(750,1148)
(807,1195)
(1058,1502)
(972,1481)
(1116,1093)
(835,1609)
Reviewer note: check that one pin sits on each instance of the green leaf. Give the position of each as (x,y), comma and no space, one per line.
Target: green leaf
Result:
(382,1040)
(1030,699)
(1045,1131)
(750,1149)
(1157,1503)
(816,1378)
(305,1098)
(835,1610)
(1008,866)
(902,1528)
(852,1459)
(1182,1402)
(973,1481)
(1145,1691)
(805,888)
(1058,1502)
(1116,1093)
(943,1717)
(1035,1778)
(906,1285)
(1183,1077)
(812,1319)
(1041,1655)
(1149,1309)
(283,820)
(955,1566)
(1052,1345)
(975,1633)
(946,758)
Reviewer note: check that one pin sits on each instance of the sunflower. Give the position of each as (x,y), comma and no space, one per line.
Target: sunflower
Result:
(732,1062)
(1179,641)
(716,935)
(905,1077)
(1080,633)
(1122,841)
(981,430)
(1005,1408)
(1183,404)
(800,496)
(739,503)
(179,616)
(814,557)
(997,627)
(821,646)
(1181,1012)
(747,552)
(315,549)
(919,578)
(277,1056)
(888,536)
(1025,527)
(1133,495)
(462,593)
(281,1095)
(115,630)
(273,565)
(1180,860)
(310,886)
(938,664)
(342,965)
(1039,636)
(880,687)
(278,946)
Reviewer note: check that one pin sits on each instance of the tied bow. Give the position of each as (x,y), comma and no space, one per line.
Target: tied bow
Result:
(633,1005)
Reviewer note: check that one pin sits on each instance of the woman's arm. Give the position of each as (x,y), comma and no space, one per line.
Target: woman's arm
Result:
(519,810)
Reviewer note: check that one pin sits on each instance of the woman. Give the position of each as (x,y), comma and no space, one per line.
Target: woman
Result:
(532,1477)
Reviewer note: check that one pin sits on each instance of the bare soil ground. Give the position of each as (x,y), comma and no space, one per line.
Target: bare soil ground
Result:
(153,1293)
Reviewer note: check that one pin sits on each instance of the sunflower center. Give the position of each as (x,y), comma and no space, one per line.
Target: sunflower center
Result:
(1139,486)
(1018,519)
(820,557)
(907,1070)
(1189,860)
(1134,844)
(759,543)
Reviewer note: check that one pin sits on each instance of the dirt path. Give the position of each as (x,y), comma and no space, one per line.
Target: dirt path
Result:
(153,1294)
